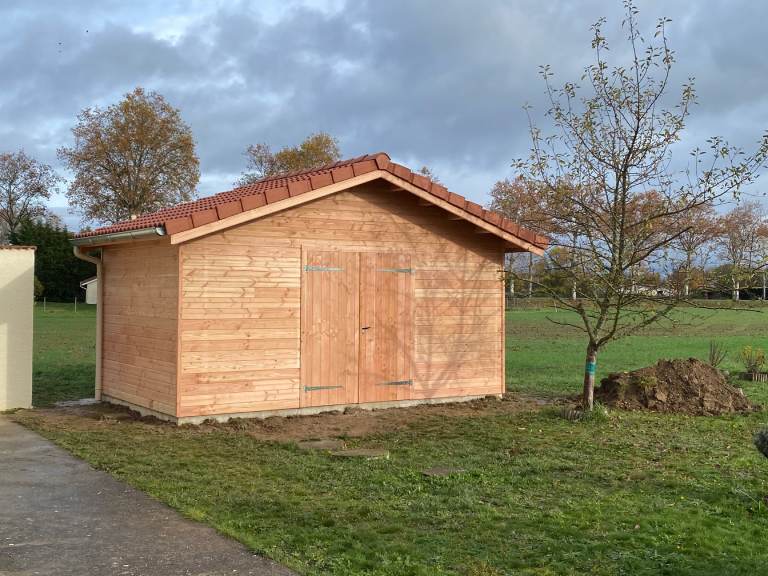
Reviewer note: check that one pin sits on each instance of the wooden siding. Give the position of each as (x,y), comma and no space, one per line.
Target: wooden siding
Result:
(330,328)
(388,315)
(140,301)
(241,300)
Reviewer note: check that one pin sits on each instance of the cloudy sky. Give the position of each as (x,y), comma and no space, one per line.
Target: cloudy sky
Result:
(435,82)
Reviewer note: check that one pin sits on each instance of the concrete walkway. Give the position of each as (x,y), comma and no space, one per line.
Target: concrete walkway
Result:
(59,516)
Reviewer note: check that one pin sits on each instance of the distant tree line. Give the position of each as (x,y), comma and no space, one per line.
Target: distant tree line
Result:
(715,255)
(57,269)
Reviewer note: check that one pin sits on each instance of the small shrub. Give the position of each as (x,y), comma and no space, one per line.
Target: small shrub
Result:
(761,442)
(598,414)
(39,288)
(753,359)
(717,353)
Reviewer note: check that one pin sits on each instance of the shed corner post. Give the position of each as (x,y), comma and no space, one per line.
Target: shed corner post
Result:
(99,313)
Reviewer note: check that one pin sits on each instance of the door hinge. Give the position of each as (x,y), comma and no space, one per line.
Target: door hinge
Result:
(397,383)
(400,270)
(314,388)
(310,268)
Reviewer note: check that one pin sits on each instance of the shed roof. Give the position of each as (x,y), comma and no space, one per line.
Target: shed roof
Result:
(268,191)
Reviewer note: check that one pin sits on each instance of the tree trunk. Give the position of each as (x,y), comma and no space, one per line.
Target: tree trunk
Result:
(510,289)
(588,400)
(764,286)
(736,290)
(573,291)
(686,290)
(530,274)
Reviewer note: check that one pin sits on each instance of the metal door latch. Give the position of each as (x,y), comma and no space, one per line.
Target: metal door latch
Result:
(397,383)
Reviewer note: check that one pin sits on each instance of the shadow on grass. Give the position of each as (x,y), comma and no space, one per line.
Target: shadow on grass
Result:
(54,383)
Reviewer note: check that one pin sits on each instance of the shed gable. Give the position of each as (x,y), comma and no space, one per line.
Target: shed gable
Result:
(241,300)
(194,219)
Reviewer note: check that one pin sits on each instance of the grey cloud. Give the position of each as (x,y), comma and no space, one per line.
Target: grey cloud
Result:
(440,82)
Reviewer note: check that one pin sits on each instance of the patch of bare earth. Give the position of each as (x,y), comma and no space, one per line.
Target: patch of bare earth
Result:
(674,386)
(352,423)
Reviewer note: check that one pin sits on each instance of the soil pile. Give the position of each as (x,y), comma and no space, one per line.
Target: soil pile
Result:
(681,386)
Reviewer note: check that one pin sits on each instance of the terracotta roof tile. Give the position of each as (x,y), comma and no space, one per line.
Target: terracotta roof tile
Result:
(204,217)
(174,226)
(440,191)
(474,208)
(268,191)
(299,187)
(227,209)
(422,182)
(401,171)
(320,180)
(363,167)
(253,201)
(341,173)
(276,194)
(457,200)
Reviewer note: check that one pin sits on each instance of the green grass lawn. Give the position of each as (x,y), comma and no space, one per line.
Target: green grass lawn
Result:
(65,352)
(545,358)
(635,493)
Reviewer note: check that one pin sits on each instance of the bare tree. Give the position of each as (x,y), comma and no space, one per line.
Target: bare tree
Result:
(741,237)
(25,184)
(698,231)
(315,150)
(133,157)
(611,193)
(521,201)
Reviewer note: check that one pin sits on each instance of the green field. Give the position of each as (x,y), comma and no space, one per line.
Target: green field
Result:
(545,358)
(65,344)
(631,493)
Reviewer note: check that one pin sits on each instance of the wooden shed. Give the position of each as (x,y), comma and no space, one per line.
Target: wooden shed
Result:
(360,283)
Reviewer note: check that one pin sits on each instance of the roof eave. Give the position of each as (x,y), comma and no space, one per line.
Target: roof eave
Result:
(115,237)
(512,239)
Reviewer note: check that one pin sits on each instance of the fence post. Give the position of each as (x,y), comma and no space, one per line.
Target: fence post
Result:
(75,303)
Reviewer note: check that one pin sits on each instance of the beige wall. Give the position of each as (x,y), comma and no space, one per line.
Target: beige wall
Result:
(17,272)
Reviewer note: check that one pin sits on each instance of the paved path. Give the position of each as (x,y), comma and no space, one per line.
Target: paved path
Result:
(61,517)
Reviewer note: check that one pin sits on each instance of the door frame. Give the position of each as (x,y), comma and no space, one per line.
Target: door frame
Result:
(360,332)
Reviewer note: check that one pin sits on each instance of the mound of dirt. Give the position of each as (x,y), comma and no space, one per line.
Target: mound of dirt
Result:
(680,386)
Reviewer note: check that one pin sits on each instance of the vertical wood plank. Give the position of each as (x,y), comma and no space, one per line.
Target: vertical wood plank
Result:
(329,347)
(386,305)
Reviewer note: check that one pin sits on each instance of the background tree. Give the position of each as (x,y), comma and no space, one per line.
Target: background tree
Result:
(609,188)
(429,173)
(698,228)
(740,239)
(56,267)
(133,157)
(315,151)
(25,184)
(521,201)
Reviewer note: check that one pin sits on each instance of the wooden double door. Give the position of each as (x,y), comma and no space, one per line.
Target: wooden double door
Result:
(357,327)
